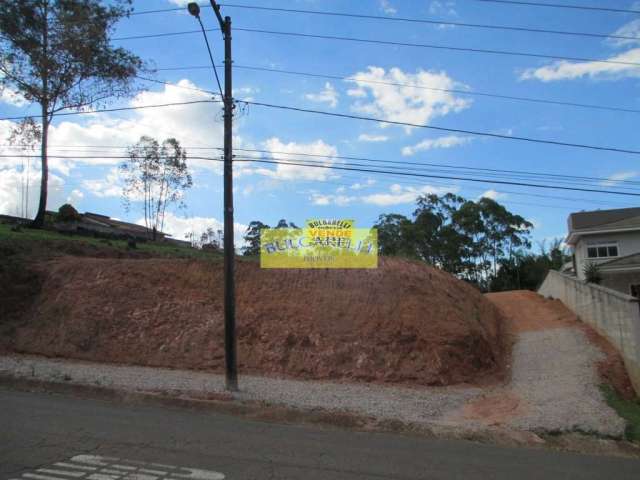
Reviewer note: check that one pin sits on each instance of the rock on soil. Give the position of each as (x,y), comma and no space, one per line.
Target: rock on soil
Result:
(403,322)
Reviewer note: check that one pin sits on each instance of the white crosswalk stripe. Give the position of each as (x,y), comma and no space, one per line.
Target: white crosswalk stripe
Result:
(95,467)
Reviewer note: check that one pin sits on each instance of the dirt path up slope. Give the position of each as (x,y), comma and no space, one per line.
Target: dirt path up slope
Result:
(555,382)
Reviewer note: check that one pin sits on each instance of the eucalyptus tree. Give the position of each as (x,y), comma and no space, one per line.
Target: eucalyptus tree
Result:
(58,54)
(157,175)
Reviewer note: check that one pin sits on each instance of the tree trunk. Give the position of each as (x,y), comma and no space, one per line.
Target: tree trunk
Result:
(38,222)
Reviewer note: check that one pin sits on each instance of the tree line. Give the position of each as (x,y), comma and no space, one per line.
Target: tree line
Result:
(481,241)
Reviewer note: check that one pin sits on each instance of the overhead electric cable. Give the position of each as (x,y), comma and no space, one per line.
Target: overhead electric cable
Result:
(561,5)
(366,170)
(402,20)
(357,117)
(391,43)
(443,129)
(544,175)
(357,79)
(503,182)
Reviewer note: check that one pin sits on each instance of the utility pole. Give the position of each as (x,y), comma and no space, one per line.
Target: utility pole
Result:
(231,368)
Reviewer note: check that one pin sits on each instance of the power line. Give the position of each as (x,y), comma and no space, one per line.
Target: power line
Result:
(561,5)
(427,21)
(405,20)
(213,63)
(437,47)
(509,192)
(412,169)
(444,129)
(419,175)
(391,43)
(356,79)
(366,170)
(491,171)
(366,159)
(357,117)
(173,84)
(119,109)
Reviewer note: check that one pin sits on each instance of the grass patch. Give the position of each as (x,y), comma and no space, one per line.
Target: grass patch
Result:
(627,409)
(28,240)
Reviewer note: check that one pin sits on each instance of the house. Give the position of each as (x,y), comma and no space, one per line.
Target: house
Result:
(610,239)
(94,223)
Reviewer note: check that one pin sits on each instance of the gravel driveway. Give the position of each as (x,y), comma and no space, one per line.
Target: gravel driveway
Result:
(554,385)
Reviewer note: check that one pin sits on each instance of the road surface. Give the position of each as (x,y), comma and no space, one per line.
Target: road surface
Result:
(53,436)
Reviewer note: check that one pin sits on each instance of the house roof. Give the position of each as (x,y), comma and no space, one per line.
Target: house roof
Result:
(117,224)
(626,262)
(602,221)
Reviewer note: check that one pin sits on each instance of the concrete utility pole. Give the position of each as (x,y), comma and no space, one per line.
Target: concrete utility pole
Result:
(231,368)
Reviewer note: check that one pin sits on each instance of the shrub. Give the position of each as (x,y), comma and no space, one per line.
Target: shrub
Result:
(592,273)
(67,213)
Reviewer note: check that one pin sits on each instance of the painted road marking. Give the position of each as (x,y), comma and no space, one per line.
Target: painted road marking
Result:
(95,467)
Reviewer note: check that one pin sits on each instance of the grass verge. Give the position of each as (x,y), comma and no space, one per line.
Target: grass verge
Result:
(27,240)
(627,409)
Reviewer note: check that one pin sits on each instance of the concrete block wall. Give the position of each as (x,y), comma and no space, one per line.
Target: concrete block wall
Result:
(613,314)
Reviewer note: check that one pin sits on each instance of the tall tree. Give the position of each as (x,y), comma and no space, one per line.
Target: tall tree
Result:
(156,174)
(58,54)
(395,235)
(252,238)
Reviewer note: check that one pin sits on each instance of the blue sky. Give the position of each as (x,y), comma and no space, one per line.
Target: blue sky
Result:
(268,193)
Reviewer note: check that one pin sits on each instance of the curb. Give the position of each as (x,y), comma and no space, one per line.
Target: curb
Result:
(226,404)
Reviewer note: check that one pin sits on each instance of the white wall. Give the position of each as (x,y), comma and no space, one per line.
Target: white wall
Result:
(613,314)
(628,243)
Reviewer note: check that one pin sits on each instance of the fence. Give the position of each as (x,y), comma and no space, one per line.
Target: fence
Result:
(613,314)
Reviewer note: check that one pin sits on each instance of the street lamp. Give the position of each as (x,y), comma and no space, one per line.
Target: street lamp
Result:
(194,9)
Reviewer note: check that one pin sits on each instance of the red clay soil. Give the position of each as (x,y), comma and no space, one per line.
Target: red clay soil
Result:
(527,311)
(403,322)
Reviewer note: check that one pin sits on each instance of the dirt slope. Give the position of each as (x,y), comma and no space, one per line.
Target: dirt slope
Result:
(403,322)
(526,311)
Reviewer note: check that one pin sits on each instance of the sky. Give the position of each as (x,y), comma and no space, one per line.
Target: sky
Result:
(268,192)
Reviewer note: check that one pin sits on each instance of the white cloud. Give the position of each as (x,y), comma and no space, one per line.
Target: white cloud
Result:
(196,125)
(399,194)
(365,137)
(110,186)
(382,94)
(631,29)
(328,95)
(396,195)
(339,200)
(442,142)
(565,70)
(362,185)
(443,7)
(14,199)
(618,177)
(12,98)
(178,227)
(387,7)
(75,197)
(493,195)
(287,152)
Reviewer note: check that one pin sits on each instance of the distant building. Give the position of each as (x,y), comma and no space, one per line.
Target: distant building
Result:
(102,224)
(610,239)
(94,224)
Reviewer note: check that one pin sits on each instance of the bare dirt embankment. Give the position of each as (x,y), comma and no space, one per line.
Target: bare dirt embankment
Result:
(403,322)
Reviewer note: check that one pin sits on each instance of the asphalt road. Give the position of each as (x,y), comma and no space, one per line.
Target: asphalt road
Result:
(43,437)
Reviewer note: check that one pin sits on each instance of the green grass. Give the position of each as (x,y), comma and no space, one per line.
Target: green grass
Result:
(29,239)
(627,409)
